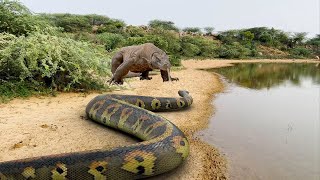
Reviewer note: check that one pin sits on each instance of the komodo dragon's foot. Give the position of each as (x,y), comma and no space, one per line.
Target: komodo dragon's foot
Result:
(145,78)
(113,81)
(172,79)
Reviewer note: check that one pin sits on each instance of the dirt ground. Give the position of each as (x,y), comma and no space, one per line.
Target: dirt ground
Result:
(40,126)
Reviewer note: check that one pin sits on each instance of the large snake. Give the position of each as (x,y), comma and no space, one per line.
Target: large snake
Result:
(163,146)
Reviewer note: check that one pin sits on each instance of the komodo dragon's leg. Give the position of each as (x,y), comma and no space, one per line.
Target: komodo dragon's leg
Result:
(117,60)
(145,75)
(121,71)
(165,76)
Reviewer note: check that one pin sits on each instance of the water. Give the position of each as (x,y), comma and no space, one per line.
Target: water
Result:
(267,121)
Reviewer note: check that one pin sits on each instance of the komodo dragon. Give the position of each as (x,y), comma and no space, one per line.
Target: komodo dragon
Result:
(140,59)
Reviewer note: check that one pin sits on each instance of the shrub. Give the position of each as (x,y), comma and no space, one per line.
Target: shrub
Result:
(175,60)
(112,26)
(81,36)
(97,20)
(110,40)
(198,46)
(134,31)
(209,30)
(235,50)
(190,50)
(172,45)
(165,25)
(69,22)
(53,62)
(16,19)
(300,52)
(192,30)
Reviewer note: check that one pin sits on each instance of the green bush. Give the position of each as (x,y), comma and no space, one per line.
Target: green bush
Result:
(16,19)
(198,46)
(226,51)
(172,45)
(13,89)
(190,50)
(110,40)
(69,22)
(165,25)
(158,41)
(97,20)
(175,60)
(81,36)
(53,62)
(134,31)
(192,30)
(300,52)
(235,50)
(112,26)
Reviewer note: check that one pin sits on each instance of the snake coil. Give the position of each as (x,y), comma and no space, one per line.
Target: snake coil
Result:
(162,149)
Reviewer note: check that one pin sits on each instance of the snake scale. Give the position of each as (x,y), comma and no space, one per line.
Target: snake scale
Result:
(163,146)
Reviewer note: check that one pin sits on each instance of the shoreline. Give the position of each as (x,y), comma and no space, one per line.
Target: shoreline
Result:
(52,125)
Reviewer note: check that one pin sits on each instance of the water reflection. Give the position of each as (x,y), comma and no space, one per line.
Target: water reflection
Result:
(268,121)
(259,76)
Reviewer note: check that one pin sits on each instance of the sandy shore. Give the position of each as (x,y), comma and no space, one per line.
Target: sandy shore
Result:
(52,125)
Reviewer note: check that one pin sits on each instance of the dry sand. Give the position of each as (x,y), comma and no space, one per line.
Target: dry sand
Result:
(52,125)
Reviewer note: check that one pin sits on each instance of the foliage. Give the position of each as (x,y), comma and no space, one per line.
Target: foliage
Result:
(228,37)
(208,30)
(69,22)
(299,38)
(190,50)
(300,52)
(54,62)
(198,46)
(16,19)
(110,40)
(112,26)
(165,25)
(134,31)
(314,43)
(192,30)
(82,36)
(97,20)
(82,23)
(235,50)
(13,89)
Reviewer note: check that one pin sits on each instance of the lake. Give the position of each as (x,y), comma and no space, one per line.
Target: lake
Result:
(267,121)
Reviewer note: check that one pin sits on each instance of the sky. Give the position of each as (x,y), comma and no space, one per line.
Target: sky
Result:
(287,15)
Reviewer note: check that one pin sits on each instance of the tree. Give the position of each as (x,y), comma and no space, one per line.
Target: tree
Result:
(246,36)
(209,30)
(96,20)
(192,30)
(112,26)
(298,38)
(15,18)
(166,25)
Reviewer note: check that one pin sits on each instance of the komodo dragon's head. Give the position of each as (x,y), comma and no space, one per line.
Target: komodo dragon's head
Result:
(160,61)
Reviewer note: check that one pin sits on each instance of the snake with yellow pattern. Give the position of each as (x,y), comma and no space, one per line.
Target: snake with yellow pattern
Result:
(163,146)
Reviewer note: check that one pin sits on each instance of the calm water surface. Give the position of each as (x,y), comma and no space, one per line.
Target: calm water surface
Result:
(267,121)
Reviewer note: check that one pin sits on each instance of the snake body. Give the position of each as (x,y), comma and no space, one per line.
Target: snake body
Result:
(163,146)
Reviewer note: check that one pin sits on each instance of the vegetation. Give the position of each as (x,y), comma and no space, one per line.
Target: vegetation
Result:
(66,52)
(15,18)
(166,25)
(45,61)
